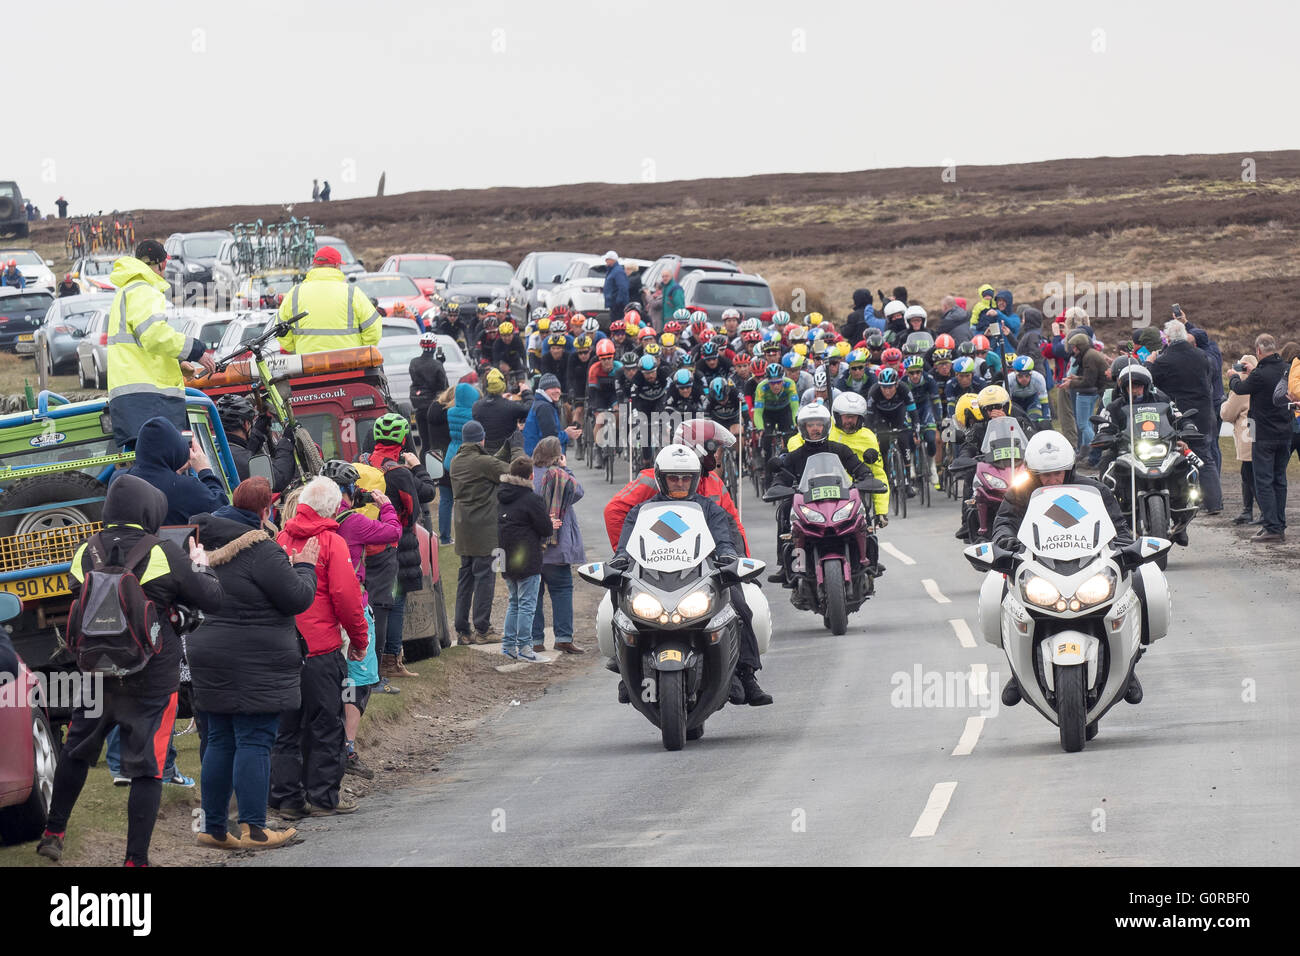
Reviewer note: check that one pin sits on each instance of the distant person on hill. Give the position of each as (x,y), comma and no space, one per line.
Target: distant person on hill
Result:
(325,192)
(63,207)
(315,190)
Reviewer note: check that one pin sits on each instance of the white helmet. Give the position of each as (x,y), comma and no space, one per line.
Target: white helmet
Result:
(1048,452)
(677,460)
(540,313)
(730,314)
(850,403)
(749,325)
(591,325)
(1131,375)
(913,312)
(814,412)
(820,381)
(894,308)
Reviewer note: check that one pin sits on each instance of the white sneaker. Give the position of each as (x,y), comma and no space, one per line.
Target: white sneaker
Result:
(120,781)
(526,653)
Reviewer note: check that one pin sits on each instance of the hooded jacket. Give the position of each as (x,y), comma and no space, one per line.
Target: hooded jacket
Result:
(460,413)
(408,489)
(132,509)
(159,451)
(991,315)
(955,322)
(339,315)
(358,530)
(1213,359)
(543,421)
(1032,343)
(475,476)
(338,592)
(860,319)
(982,305)
(245,658)
(500,418)
(1272,424)
(522,525)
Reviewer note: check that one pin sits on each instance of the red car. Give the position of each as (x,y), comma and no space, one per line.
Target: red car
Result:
(391,288)
(28,753)
(425,268)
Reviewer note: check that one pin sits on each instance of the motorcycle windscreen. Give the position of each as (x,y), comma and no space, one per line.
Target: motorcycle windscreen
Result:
(1151,423)
(1066,522)
(670,536)
(823,478)
(1004,442)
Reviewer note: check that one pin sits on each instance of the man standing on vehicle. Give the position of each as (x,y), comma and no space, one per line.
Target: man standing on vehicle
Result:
(616,293)
(144,352)
(12,276)
(339,315)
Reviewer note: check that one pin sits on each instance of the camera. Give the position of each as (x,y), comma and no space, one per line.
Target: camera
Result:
(1239,367)
(363,497)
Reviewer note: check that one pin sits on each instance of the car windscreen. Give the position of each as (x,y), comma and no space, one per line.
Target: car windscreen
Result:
(550,265)
(325,431)
(451,351)
(79,319)
(423,268)
(22,304)
(381,287)
(97,267)
(63,452)
(8,191)
(202,248)
(399,355)
(23,258)
(747,295)
(486,273)
(277,283)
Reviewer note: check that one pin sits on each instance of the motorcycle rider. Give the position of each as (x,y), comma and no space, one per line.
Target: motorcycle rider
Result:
(1049,459)
(428,381)
(677,477)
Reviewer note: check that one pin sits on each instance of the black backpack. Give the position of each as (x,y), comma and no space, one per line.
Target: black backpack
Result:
(113,628)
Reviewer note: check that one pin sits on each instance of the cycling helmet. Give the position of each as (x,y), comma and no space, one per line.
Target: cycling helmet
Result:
(699,317)
(645,333)
(810,415)
(492,324)
(966,348)
(750,336)
(342,473)
(964,366)
(1009,358)
(506,328)
(709,350)
(677,460)
(749,325)
(583,344)
(652,347)
(428,341)
(797,334)
(945,341)
(888,376)
(780,319)
(559,323)
(1048,452)
(849,403)
(820,380)
(591,325)
(893,308)
(775,371)
(668,340)
(966,410)
(941,355)
(628,359)
(673,328)
(683,379)
(559,310)
(979,343)
(857,359)
(843,348)
(914,312)
(730,314)
(1023,363)
(618,325)
(647,363)
(604,349)
(718,388)
(991,397)
(682,315)
(891,356)
(392,428)
(792,360)
(632,310)
(757,350)
(914,363)
(758,365)
(815,318)
(704,334)
(539,313)
(398,309)
(875,342)
(544,324)
(234,411)
(820,348)
(556,341)
(1134,374)
(1117,365)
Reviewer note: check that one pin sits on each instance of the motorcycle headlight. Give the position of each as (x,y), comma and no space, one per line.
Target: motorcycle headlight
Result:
(696,604)
(1040,591)
(647,606)
(844,512)
(814,516)
(1152,450)
(993,481)
(1100,587)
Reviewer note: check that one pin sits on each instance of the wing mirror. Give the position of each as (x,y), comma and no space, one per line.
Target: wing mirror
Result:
(988,556)
(601,574)
(744,569)
(10,606)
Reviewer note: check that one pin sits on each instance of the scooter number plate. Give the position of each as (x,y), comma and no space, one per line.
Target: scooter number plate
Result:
(825,493)
(670,655)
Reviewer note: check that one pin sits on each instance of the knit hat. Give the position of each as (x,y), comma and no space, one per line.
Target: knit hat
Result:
(1149,338)
(496,382)
(472,432)
(548,381)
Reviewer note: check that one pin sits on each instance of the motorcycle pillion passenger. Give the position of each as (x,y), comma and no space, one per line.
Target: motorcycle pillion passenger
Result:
(1049,461)
(339,315)
(677,475)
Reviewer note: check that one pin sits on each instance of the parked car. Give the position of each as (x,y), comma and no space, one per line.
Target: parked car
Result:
(393,325)
(390,288)
(28,753)
(13,210)
(21,312)
(715,292)
(247,325)
(197,323)
(398,350)
(190,260)
(263,290)
(539,272)
(92,353)
(92,272)
(652,293)
(351,264)
(34,269)
(582,287)
(482,280)
(63,328)
(423,267)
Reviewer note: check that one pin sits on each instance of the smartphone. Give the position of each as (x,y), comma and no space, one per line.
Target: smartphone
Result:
(180,534)
(1176,310)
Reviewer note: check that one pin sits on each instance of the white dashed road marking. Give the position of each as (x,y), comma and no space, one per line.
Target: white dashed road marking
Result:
(969,736)
(963,632)
(979,680)
(890,549)
(928,823)
(932,589)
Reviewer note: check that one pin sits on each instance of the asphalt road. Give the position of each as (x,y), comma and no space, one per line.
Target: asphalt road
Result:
(854,764)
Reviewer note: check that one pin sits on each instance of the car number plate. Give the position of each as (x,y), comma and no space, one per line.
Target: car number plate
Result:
(35,589)
(27,337)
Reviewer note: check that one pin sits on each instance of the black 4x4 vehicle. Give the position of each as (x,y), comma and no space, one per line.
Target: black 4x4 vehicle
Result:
(13,210)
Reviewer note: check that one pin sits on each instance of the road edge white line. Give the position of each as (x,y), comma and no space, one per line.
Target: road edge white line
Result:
(927,824)
(969,737)
(932,588)
(890,549)
(963,631)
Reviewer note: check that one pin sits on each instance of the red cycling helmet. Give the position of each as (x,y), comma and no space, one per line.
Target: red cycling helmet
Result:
(945,341)
(981,343)
(618,325)
(758,366)
(604,349)
(674,327)
(891,356)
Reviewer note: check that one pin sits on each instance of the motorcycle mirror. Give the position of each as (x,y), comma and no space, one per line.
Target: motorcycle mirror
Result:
(745,569)
(259,466)
(10,606)
(777,493)
(600,574)
(1098,420)
(1148,549)
(1188,412)
(433,466)
(1190,430)
(980,556)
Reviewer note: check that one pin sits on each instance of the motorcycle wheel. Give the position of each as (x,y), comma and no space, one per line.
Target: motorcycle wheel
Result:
(672,709)
(1071,706)
(1158,525)
(837,615)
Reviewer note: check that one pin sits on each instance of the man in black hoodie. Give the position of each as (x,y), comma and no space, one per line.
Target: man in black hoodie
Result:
(143,705)
(1272,432)
(855,325)
(165,460)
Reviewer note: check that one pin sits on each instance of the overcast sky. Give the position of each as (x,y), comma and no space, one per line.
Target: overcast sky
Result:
(177,104)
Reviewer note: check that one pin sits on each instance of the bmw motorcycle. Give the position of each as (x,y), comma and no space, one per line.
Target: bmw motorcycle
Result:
(1072,611)
(669,622)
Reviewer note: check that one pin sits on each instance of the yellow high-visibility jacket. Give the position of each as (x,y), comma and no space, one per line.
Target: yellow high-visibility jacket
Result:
(859,441)
(144,352)
(339,315)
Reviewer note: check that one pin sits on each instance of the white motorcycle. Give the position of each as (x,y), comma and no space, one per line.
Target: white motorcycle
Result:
(1073,613)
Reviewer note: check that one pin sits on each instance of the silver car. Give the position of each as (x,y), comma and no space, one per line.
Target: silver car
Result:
(92,353)
(715,292)
(64,327)
(398,351)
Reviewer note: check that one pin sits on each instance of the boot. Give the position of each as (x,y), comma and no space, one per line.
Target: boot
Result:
(1011,693)
(388,665)
(737,693)
(755,696)
(1244,518)
(253,837)
(1133,693)
(623,697)
(355,767)
(401,666)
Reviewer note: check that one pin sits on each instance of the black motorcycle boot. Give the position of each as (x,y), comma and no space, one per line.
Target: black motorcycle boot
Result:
(755,696)
(1011,693)
(623,697)
(737,693)
(1179,537)
(1133,693)
(611,665)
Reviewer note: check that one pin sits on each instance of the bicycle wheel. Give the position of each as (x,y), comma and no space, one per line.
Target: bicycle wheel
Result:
(310,455)
(923,473)
(897,479)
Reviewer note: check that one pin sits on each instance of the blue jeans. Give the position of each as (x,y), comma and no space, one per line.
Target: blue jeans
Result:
(1083,406)
(237,760)
(520,611)
(1268,460)
(444,514)
(558,579)
(113,754)
(396,615)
